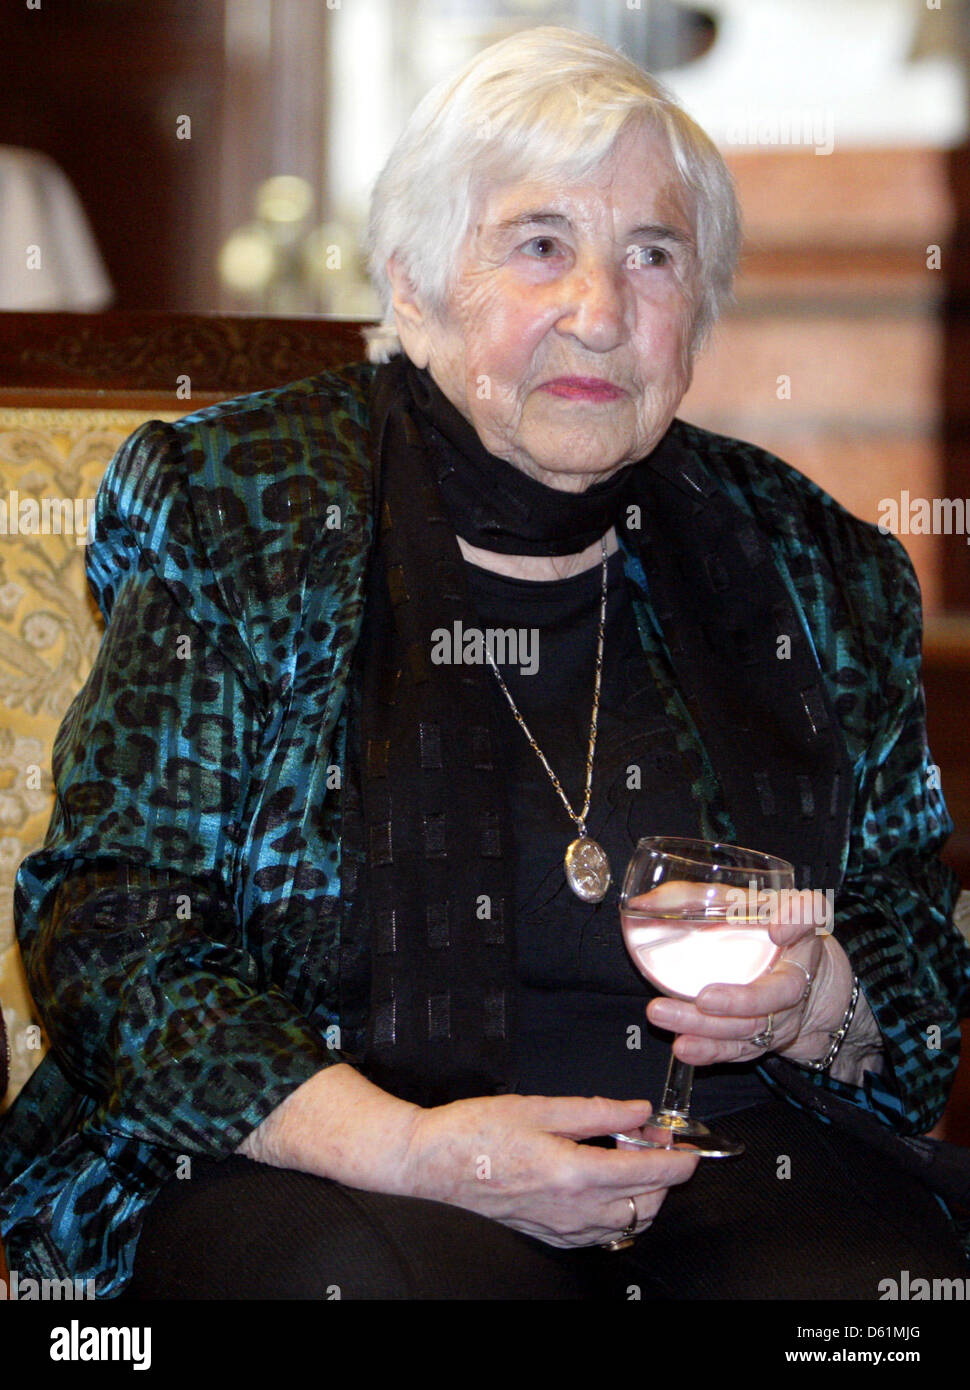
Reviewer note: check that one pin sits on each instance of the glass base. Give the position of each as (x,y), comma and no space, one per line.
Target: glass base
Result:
(672,1131)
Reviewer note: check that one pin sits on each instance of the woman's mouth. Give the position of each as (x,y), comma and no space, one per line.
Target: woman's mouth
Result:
(582,388)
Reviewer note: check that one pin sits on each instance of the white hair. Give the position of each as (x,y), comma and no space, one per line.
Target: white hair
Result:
(549,102)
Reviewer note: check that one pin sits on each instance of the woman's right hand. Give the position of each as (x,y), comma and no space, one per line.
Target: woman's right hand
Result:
(512,1158)
(515,1159)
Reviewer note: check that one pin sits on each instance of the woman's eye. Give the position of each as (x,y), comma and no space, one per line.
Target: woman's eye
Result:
(542,247)
(641,257)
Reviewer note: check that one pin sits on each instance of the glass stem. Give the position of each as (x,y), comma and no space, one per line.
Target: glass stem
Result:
(677,1087)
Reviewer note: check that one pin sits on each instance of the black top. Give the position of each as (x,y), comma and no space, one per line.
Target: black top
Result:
(582,1029)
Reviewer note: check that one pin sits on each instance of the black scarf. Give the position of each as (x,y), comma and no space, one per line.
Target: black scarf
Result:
(436,892)
(496,506)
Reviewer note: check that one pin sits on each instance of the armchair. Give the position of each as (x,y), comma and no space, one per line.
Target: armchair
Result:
(72,388)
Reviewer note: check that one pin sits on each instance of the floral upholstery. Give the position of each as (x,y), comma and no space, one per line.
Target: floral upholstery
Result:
(49,633)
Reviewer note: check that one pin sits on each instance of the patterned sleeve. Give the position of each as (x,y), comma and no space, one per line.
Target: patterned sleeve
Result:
(154,1002)
(894,909)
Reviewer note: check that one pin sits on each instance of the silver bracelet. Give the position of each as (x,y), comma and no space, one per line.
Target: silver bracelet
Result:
(838,1037)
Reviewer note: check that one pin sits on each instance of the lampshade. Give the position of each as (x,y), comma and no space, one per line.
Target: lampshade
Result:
(48,257)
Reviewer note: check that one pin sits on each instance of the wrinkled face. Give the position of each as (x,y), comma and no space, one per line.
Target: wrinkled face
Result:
(565,340)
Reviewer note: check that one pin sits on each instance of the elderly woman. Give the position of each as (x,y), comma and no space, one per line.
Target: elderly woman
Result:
(326,1005)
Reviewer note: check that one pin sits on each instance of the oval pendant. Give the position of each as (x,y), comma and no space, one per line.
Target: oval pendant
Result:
(587,869)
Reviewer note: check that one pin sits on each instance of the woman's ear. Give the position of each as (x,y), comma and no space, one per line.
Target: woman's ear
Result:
(410,317)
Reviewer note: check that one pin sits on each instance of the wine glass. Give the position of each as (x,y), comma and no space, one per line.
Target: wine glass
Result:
(696,913)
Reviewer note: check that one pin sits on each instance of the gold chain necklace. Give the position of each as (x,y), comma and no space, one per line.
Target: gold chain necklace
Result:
(586,864)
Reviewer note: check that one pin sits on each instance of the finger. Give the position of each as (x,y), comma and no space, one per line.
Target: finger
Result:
(681,1016)
(708,1052)
(639,1210)
(802,915)
(790,933)
(722,1028)
(803,972)
(684,896)
(584,1117)
(632,1169)
(781,988)
(601,1219)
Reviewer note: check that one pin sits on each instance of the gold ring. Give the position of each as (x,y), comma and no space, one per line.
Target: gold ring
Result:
(625,1238)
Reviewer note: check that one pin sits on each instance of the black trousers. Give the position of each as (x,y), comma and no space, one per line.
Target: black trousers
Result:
(806,1213)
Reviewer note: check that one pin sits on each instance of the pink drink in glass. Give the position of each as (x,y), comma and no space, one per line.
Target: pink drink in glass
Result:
(682,953)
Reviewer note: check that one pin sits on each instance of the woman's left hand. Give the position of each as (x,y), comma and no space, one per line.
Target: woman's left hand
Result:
(728,1023)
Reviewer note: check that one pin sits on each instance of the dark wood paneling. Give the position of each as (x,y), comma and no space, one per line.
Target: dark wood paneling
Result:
(136,359)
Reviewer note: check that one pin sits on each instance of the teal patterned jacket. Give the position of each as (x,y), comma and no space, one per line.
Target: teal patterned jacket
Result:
(179,926)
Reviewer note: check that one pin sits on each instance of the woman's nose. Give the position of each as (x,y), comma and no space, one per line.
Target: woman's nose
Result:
(595,305)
